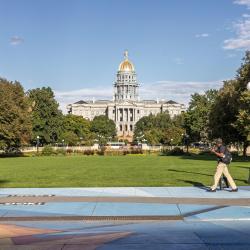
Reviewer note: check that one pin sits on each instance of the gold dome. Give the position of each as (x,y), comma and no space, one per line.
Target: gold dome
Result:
(126,65)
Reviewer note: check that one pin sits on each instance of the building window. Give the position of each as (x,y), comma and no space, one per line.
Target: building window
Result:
(113,111)
(120,127)
(138,111)
(131,127)
(126,127)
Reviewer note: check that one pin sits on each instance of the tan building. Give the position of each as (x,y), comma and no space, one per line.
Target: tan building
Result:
(125,109)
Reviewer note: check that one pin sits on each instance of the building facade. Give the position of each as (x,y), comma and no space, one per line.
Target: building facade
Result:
(126,108)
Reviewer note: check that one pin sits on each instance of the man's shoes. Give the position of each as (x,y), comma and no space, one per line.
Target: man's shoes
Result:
(234,190)
(211,190)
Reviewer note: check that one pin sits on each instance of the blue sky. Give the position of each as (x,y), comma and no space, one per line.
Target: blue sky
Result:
(178,46)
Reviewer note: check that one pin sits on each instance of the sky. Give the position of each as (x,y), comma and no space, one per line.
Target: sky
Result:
(178,47)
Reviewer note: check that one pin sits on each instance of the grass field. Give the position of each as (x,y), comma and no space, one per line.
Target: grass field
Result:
(107,171)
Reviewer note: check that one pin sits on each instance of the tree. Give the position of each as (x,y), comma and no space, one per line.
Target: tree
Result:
(15,125)
(223,114)
(229,118)
(242,123)
(78,126)
(149,123)
(243,119)
(197,116)
(70,138)
(179,120)
(173,135)
(46,117)
(152,128)
(104,128)
(153,136)
(146,123)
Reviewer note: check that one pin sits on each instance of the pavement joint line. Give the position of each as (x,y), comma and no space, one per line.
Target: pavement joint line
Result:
(217,219)
(178,207)
(95,218)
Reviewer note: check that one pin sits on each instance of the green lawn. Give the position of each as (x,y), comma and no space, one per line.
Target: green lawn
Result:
(108,171)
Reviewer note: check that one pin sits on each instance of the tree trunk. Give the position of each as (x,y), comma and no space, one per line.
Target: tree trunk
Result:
(245,145)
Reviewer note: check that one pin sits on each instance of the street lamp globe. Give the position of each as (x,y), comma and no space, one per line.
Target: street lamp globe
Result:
(248,86)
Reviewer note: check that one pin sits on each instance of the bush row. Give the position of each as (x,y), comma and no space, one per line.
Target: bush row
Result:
(50,151)
(174,151)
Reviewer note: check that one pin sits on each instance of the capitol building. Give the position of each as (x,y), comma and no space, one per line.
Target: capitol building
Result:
(126,108)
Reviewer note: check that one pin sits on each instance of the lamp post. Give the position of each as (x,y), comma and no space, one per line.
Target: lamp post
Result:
(37,143)
(63,143)
(187,141)
(171,143)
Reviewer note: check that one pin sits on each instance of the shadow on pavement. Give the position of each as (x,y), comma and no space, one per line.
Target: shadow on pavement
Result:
(195,184)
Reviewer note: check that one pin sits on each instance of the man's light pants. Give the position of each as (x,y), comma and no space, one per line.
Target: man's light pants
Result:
(222,169)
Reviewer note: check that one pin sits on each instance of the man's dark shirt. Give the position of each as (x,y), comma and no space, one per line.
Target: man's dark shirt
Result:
(222,149)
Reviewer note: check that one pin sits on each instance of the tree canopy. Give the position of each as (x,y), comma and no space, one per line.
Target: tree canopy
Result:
(197,116)
(46,117)
(229,118)
(104,128)
(76,129)
(15,114)
(160,128)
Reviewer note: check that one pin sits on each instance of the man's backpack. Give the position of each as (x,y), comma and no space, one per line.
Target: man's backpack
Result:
(227,157)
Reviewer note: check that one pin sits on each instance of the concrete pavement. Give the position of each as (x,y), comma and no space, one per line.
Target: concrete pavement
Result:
(124,218)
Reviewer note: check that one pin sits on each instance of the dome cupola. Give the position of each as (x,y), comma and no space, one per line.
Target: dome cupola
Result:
(126,65)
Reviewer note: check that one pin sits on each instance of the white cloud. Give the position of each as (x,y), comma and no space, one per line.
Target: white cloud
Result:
(16,40)
(168,90)
(179,60)
(242,39)
(202,35)
(243,2)
(176,90)
(242,31)
(66,97)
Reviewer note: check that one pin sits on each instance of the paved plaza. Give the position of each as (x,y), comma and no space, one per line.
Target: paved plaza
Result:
(124,218)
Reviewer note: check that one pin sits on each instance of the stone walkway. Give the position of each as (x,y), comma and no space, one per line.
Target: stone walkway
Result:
(124,218)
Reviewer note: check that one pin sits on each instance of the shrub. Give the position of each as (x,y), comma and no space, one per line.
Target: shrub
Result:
(164,152)
(234,154)
(100,152)
(88,152)
(136,151)
(175,151)
(61,151)
(206,152)
(125,152)
(47,151)
(114,152)
(69,151)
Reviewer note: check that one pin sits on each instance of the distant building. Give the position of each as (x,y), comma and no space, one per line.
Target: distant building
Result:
(126,108)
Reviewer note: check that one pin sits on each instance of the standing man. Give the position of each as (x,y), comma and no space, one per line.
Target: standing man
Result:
(224,159)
